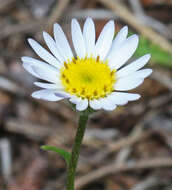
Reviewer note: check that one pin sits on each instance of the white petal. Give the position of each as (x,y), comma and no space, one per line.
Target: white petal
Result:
(104,41)
(116,98)
(128,83)
(62,42)
(74,99)
(46,74)
(95,104)
(44,54)
(82,105)
(28,68)
(134,66)
(107,104)
(39,63)
(142,73)
(46,85)
(29,62)
(89,36)
(78,40)
(120,56)
(62,94)
(52,46)
(46,95)
(127,96)
(119,39)
(121,98)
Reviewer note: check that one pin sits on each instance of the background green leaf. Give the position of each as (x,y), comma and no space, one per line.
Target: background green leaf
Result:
(158,55)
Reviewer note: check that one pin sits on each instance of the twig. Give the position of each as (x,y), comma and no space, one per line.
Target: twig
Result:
(160,101)
(124,143)
(93,13)
(35,25)
(162,78)
(21,28)
(147,20)
(120,10)
(122,155)
(11,87)
(135,136)
(6,160)
(57,11)
(33,131)
(6,4)
(130,166)
(146,184)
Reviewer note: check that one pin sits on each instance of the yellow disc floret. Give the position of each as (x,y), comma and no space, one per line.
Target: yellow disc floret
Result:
(88,78)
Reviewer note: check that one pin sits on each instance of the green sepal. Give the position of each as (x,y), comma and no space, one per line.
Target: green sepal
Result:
(73,106)
(88,111)
(66,155)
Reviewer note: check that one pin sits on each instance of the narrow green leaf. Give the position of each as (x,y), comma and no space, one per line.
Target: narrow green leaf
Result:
(66,155)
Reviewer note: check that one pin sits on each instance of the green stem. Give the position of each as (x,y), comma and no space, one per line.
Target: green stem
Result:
(76,150)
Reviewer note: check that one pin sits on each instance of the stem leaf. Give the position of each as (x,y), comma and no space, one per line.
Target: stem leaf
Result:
(66,155)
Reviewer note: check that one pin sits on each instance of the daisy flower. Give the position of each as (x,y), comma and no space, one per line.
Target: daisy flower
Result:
(96,75)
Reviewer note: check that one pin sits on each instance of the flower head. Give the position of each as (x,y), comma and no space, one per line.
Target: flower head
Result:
(94,76)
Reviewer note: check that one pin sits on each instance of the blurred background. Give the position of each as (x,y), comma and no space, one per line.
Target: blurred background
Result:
(127,149)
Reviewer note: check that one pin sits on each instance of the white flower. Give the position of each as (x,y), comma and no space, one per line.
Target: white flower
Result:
(94,76)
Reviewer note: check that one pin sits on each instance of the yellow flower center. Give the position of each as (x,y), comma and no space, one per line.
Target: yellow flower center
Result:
(88,78)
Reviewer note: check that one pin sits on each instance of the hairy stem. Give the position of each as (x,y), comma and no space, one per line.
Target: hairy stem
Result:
(76,150)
